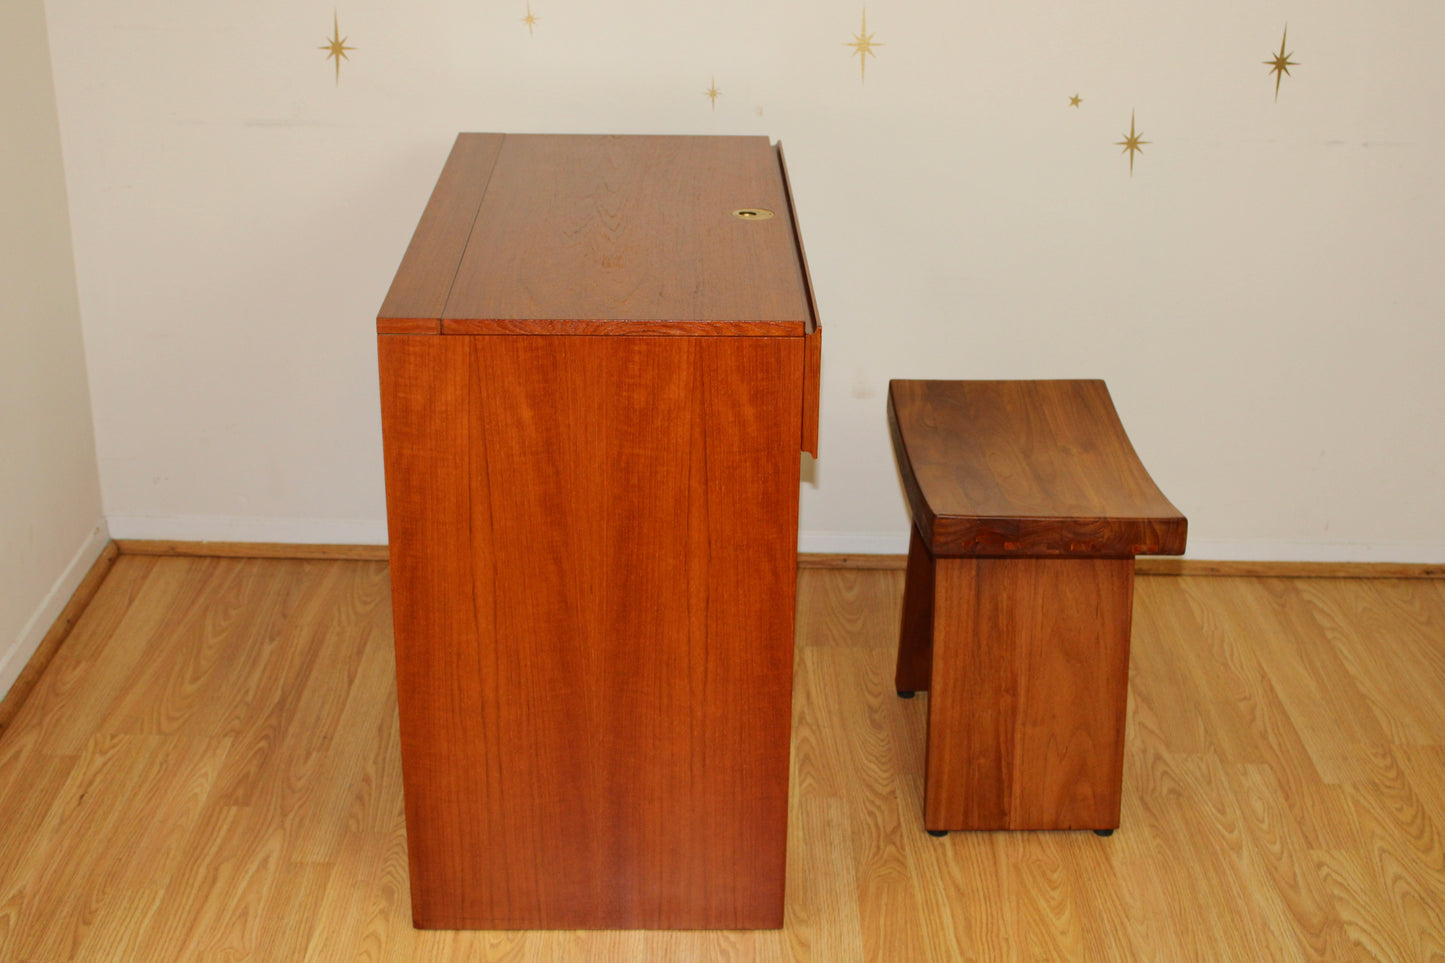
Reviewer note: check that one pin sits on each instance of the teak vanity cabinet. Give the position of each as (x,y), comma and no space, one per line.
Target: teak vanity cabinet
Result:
(599,361)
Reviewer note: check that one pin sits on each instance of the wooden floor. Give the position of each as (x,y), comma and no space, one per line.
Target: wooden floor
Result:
(209,771)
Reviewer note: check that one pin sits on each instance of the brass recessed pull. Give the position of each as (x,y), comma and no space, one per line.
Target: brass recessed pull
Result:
(753,214)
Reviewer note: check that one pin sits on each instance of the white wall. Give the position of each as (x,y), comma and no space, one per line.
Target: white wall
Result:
(1262,295)
(51,528)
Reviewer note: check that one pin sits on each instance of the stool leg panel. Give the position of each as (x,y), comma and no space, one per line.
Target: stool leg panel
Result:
(915,635)
(970,725)
(1029,686)
(1074,672)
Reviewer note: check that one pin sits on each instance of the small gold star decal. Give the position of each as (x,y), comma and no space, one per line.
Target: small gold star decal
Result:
(1075,100)
(712,93)
(336,45)
(1132,145)
(530,19)
(1279,66)
(863,44)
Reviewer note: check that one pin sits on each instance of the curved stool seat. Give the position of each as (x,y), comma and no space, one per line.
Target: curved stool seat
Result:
(1028,506)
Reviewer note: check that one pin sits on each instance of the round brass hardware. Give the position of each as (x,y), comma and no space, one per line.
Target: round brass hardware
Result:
(753,214)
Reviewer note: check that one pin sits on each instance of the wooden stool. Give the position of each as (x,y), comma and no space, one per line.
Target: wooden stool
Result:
(1029,505)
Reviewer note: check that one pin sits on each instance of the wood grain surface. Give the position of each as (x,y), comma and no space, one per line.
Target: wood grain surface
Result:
(812,389)
(1026,468)
(209,769)
(55,637)
(593,548)
(915,630)
(593,536)
(622,326)
(813,320)
(418,293)
(635,232)
(355,553)
(1027,693)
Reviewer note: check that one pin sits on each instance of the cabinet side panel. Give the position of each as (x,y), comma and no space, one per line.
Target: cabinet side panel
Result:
(587,446)
(753,395)
(424,388)
(643,527)
(594,548)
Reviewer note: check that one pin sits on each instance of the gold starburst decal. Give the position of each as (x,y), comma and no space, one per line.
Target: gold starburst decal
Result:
(1280,64)
(530,19)
(1075,100)
(712,93)
(1132,144)
(863,44)
(336,45)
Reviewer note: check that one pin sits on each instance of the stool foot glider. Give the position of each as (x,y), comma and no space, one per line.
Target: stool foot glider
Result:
(1028,506)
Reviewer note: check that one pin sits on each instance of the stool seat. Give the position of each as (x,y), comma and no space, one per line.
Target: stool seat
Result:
(1026,468)
(1029,505)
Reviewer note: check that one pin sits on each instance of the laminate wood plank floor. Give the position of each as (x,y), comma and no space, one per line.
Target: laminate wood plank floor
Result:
(208,770)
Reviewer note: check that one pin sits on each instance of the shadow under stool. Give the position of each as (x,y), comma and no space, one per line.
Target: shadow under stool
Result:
(1028,505)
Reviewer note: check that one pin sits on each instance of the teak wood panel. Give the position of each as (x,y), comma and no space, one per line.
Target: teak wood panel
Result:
(1030,672)
(593,557)
(812,389)
(915,635)
(1026,468)
(418,293)
(631,235)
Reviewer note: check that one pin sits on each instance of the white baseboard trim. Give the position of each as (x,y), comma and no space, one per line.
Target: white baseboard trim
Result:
(19,650)
(1288,551)
(346,531)
(867,543)
(226,528)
